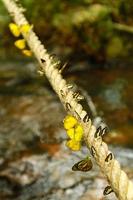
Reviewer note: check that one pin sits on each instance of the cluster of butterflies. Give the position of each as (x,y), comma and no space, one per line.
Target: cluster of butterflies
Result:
(74,131)
(21,43)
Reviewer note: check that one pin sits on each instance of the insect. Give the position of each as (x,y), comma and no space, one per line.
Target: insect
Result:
(69,86)
(62,93)
(71,133)
(27,52)
(98,132)
(76,114)
(78,133)
(77,96)
(70,122)
(84,165)
(109,157)
(26,28)
(42,60)
(68,106)
(104,131)
(20,44)
(93,151)
(14,29)
(107,190)
(86,118)
(74,132)
(73,145)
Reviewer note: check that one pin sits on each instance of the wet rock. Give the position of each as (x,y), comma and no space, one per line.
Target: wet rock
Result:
(6,189)
(113,94)
(75,192)
(27,119)
(24,171)
(68,180)
(43,177)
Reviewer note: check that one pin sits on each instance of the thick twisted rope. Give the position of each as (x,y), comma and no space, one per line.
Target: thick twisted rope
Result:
(110,167)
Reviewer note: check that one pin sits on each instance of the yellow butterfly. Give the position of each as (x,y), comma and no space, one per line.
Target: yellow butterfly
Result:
(26,28)
(69,122)
(27,52)
(20,43)
(14,29)
(73,145)
(84,165)
(78,133)
(75,133)
(71,133)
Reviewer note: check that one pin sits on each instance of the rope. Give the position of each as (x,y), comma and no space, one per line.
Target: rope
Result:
(117,178)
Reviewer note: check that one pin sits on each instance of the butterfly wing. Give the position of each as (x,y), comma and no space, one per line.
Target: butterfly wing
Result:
(83,165)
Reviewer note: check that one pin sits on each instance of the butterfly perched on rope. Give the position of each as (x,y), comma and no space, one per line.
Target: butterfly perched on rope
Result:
(74,131)
(14,28)
(20,44)
(84,165)
(27,52)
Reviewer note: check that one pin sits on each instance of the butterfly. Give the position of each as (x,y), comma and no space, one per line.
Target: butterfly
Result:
(26,28)
(20,43)
(71,133)
(69,122)
(78,133)
(14,29)
(73,145)
(27,52)
(84,165)
(107,190)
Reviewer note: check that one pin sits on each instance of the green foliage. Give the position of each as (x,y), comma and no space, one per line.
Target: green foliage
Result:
(87,24)
(115,47)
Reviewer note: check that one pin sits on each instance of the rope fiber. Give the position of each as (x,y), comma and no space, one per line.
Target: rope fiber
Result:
(117,178)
